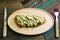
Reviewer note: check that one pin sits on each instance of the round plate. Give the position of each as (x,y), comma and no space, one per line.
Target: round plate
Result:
(31,31)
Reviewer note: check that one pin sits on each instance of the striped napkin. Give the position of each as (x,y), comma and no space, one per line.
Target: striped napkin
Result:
(50,35)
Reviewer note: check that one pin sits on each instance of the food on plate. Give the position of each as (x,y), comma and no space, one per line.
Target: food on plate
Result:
(29,21)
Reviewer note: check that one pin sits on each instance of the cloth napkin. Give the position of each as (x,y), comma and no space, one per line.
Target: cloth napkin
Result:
(50,35)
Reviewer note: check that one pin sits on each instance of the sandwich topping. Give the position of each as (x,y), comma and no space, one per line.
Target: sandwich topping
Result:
(29,21)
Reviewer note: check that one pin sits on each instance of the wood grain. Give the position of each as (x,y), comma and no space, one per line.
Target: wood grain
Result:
(13,5)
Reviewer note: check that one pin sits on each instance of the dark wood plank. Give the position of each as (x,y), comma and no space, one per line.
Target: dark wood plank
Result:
(11,7)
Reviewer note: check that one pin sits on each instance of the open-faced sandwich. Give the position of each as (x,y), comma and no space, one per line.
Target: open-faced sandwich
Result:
(29,21)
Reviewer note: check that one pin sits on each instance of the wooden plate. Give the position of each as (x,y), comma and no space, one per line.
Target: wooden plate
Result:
(31,31)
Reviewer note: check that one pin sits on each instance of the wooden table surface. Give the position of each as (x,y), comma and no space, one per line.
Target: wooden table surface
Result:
(11,7)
